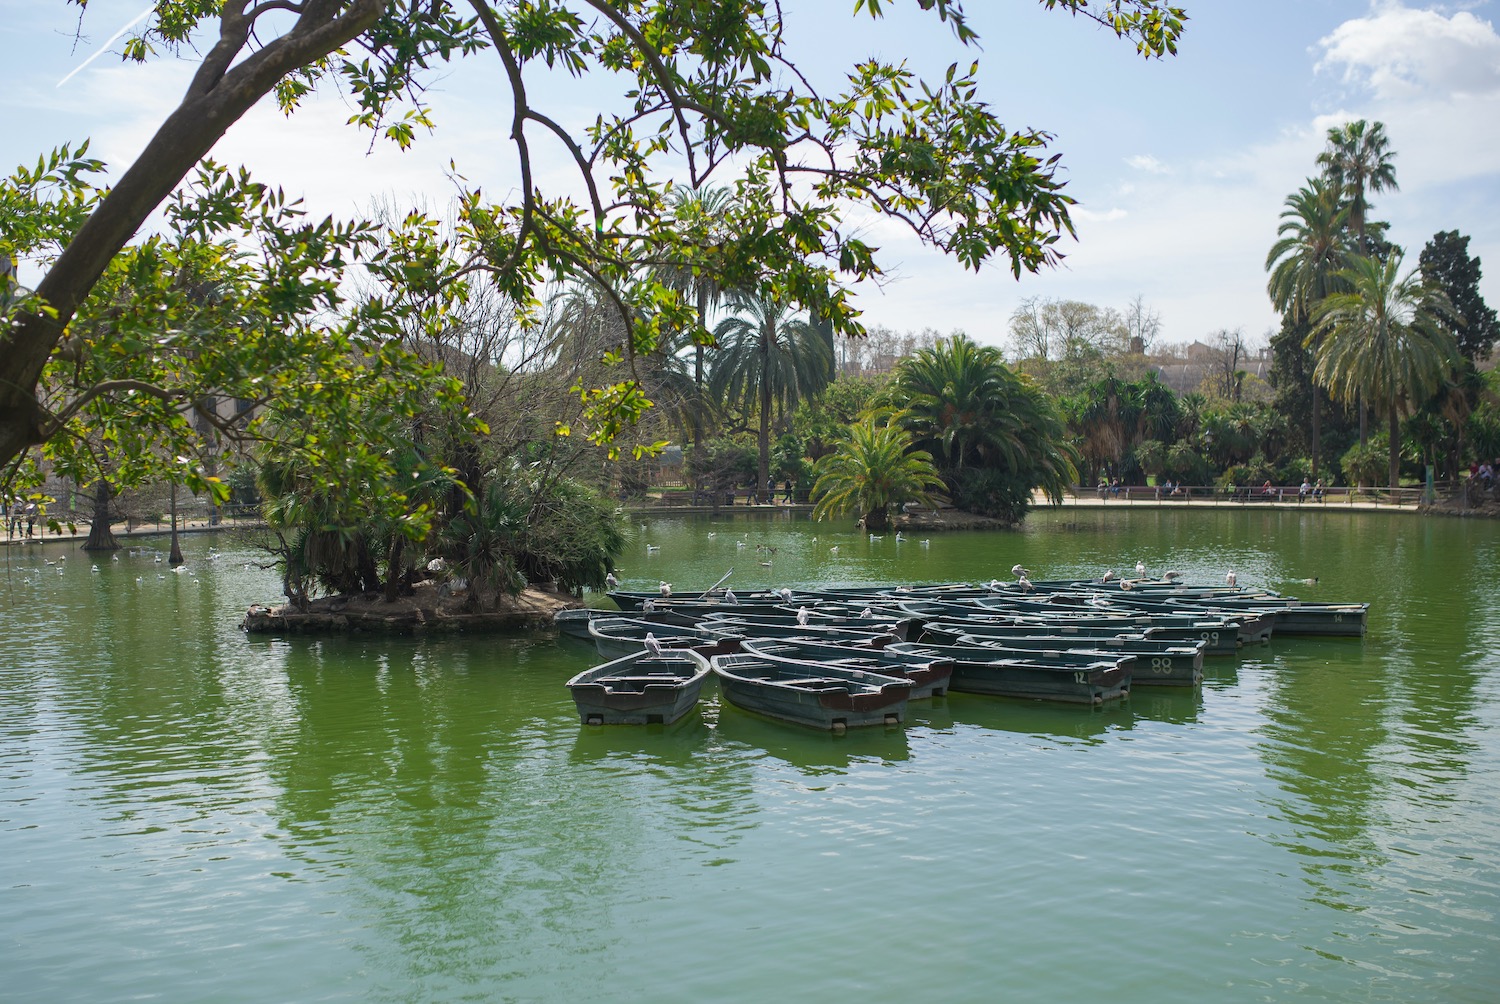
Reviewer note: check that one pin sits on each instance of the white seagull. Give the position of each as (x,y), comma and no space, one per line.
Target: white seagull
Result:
(1019,572)
(1140,569)
(1229,578)
(652,645)
(1170,576)
(665,588)
(802,616)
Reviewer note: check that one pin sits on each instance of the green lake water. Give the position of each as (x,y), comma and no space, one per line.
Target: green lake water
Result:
(191,814)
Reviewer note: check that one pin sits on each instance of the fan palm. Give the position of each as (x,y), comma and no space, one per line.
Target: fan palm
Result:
(700,213)
(1305,261)
(1381,338)
(873,469)
(765,358)
(1357,161)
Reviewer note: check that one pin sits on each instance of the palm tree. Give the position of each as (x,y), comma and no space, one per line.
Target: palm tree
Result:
(952,397)
(873,469)
(768,358)
(1382,339)
(963,403)
(1358,161)
(1304,262)
(700,213)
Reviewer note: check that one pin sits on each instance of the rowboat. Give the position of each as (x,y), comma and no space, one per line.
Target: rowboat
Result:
(1157,663)
(1219,636)
(642,688)
(819,695)
(929,677)
(574,621)
(871,637)
(1050,676)
(620,636)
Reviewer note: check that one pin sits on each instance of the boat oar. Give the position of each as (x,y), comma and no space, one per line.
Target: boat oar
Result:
(716,585)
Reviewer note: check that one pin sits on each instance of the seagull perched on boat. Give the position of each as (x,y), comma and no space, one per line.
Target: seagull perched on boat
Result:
(1025,584)
(785,594)
(1229,578)
(1170,576)
(648,604)
(652,645)
(1019,572)
(802,616)
(1108,576)
(1140,569)
(867,612)
(730,598)
(665,588)
(994,584)
(611,581)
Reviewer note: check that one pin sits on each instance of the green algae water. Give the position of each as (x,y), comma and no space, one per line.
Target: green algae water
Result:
(190,814)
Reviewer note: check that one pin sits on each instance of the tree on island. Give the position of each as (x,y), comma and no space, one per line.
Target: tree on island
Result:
(875,468)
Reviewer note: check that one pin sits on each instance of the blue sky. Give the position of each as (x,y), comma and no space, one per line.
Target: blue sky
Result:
(1180,165)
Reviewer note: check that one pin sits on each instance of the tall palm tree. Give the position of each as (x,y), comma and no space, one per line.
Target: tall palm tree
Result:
(700,212)
(873,469)
(767,357)
(1304,263)
(1381,338)
(1357,161)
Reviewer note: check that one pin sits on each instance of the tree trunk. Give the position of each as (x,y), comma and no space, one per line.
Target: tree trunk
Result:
(1317,431)
(175,558)
(101,537)
(763,470)
(877,519)
(1395,447)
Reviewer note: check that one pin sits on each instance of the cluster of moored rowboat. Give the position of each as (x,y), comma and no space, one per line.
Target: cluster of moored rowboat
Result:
(840,658)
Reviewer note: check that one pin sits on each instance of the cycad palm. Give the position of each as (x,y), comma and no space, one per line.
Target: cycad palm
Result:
(873,469)
(1381,339)
(766,358)
(1305,261)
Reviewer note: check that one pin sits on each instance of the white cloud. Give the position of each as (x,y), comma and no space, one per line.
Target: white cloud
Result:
(1403,52)
(1148,163)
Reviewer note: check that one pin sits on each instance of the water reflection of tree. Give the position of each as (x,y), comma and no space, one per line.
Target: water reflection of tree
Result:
(478,831)
(1357,731)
